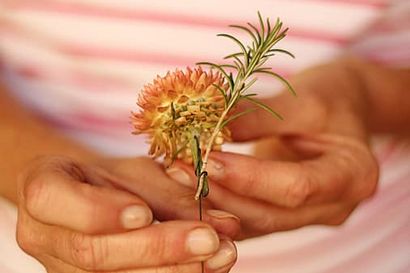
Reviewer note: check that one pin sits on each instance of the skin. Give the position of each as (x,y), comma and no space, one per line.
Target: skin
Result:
(71,203)
(318,179)
(317,166)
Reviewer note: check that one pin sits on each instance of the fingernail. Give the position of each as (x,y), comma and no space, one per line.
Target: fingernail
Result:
(180,176)
(220,214)
(135,216)
(226,255)
(202,241)
(215,169)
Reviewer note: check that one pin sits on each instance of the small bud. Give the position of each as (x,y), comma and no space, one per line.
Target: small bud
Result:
(194,108)
(185,113)
(180,121)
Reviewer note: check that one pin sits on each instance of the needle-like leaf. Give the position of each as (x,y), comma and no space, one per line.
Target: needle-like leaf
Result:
(237,115)
(263,106)
(279,77)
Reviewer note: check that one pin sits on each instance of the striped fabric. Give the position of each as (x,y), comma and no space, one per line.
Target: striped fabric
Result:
(79,64)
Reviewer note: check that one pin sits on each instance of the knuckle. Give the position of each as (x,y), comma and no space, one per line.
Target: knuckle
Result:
(87,252)
(25,239)
(268,224)
(298,190)
(368,177)
(367,170)
(371,179)
(340,218)
(160,250)
(249,181)
(36,194)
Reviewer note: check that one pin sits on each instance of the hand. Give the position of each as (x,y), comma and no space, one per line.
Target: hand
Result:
(320,169)
(76,217)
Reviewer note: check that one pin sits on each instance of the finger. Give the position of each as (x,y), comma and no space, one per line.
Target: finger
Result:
(54,265)
(344,169)
(259,218)
(51,245)
(224,259)
(157,245)
(278,183)
(221,262)
(57,195)
(169,199)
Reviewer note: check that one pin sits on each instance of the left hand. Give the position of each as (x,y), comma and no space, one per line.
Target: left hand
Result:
(87,216)
(331,169)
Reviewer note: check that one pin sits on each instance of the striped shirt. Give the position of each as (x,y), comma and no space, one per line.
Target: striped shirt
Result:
(80,64)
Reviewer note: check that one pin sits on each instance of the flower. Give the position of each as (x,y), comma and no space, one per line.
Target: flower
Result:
(177,107)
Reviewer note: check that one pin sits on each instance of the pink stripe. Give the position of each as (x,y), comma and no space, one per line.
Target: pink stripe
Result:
(84,81)
(101,53)
(85,51)
(166,18)
(129,56)
(368,3)
(87,81)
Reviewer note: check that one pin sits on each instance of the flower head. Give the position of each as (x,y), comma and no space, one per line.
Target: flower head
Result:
(178,106)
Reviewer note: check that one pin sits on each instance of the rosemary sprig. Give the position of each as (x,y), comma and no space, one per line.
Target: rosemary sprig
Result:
(245,64)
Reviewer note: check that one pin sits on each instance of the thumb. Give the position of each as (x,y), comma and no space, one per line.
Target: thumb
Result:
(303,114)
(59,191)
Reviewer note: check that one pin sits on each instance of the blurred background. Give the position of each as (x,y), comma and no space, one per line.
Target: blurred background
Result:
(79,65)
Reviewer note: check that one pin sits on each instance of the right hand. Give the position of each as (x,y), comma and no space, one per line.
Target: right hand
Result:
(80,218)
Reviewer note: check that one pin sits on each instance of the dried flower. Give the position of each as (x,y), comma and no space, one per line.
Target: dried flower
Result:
(185,114)
(178,106)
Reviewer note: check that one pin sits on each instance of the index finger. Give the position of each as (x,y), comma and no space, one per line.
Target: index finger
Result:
(343,167)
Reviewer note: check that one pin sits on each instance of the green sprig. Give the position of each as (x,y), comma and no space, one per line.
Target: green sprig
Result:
(250,61)
(247,63)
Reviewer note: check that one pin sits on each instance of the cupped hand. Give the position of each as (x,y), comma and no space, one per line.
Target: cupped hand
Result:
(76,217)
(316,171)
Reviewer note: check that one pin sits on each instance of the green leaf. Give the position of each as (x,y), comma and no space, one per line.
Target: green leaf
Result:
(231,81)
(183,146)
(248,85)
(237,115)
(256,32)
(283,80)
(262,25)
(247,30)
(173,113)
(245,53)
(250,95)
(228,65)
(223,92)
(205,188)
(196,154)
(233,55)
(281,51)
(277,27)
(220,69)
(263,106)
(262,69)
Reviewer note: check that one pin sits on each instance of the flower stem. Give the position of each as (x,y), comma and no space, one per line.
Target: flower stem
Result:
(210,144)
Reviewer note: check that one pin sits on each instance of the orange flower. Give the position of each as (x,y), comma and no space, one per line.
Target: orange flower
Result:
(178,106)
